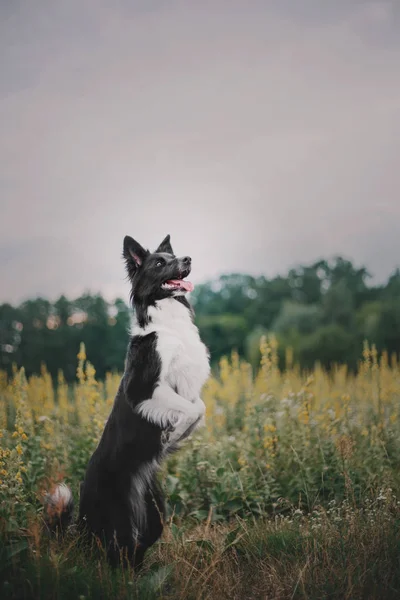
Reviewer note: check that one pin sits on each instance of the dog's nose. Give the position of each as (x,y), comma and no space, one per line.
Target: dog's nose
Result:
(186,260)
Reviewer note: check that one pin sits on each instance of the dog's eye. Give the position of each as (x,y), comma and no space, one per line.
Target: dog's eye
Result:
(159,263)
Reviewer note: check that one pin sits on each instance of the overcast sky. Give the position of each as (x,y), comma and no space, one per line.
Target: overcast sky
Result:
(259,134)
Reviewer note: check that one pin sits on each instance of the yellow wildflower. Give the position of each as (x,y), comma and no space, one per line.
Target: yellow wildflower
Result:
(269,427)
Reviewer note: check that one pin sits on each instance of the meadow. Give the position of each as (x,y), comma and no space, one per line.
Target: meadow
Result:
(291,491)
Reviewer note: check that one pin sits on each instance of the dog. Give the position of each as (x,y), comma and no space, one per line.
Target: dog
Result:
(157,406)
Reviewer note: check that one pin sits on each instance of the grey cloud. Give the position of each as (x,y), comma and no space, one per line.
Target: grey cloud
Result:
(259,134)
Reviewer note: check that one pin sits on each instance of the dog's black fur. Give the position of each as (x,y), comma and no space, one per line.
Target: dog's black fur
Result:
(120,498)
(128,442)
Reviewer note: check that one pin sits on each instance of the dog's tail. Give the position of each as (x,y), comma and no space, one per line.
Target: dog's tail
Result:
(58,509)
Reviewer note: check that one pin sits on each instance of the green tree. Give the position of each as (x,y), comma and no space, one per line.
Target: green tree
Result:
(328,345)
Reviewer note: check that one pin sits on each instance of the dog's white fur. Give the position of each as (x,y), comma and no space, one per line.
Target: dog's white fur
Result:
(60,495)
(184,367)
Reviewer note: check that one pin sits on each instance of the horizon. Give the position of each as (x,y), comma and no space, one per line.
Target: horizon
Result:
(371,281)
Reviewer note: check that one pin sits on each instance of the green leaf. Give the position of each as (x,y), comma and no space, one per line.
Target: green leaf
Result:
(152,582)
(11,550)
(233,537)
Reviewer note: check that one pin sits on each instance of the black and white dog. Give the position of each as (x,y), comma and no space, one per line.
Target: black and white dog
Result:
(157,406)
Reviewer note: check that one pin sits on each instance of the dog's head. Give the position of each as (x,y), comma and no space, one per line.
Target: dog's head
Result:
(156,275)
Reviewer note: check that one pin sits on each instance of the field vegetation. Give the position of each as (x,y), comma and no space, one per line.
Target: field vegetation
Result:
(291,491)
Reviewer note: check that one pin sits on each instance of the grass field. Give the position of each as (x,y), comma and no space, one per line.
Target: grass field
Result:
(290,492)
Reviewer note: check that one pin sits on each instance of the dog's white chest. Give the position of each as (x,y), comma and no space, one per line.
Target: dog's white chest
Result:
(184,361)
(184,357)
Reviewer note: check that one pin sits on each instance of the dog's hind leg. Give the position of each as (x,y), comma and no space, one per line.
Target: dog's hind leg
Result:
(138,558)
(155,514)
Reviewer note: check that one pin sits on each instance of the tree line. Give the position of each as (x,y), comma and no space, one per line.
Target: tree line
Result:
(323,312)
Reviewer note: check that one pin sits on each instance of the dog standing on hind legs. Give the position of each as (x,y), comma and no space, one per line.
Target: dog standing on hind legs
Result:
(157,406)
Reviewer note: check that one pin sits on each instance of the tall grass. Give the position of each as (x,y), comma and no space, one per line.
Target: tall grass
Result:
(290,491)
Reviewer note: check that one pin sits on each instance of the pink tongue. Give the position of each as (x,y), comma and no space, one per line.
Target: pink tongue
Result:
(186,285)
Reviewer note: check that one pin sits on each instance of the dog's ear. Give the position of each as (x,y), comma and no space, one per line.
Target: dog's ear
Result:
(165,245)
(134,255)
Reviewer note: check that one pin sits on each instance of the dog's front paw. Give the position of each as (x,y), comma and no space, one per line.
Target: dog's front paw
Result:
(202,422)
(200,407)
(165,436)
(174,422)
(172,418)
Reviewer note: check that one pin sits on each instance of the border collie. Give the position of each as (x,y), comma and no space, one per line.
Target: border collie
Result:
(157,406)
